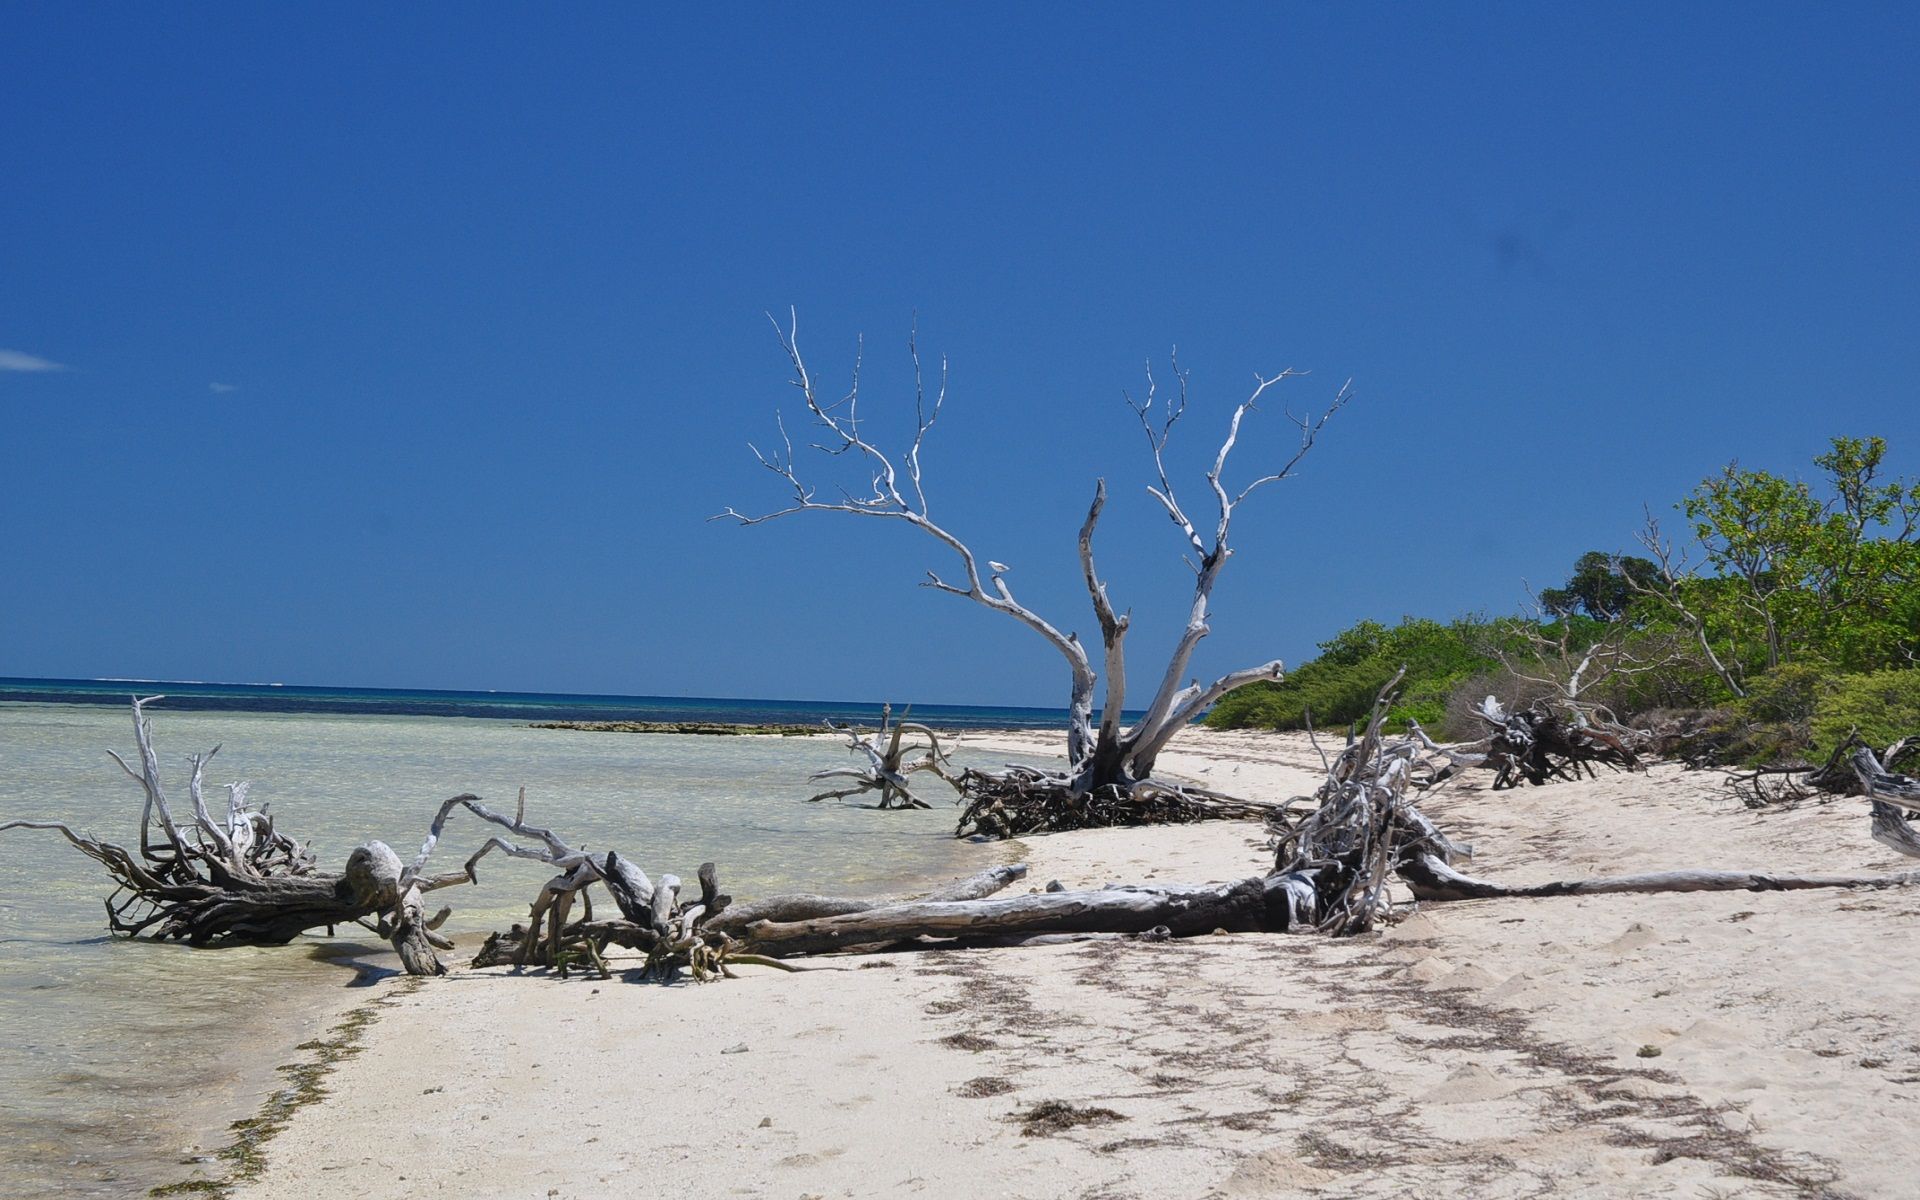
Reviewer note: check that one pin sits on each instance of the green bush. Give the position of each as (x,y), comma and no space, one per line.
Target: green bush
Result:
(1790,692)
(1338,687)
(1884,706)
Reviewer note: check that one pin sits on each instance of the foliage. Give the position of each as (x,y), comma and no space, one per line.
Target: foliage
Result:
(1790,693)
(1602,587)
(1339,686)
(1800,574)
(1803,624)
(1883,706)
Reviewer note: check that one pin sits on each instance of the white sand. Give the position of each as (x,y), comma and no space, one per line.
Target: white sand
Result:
(1484,1049)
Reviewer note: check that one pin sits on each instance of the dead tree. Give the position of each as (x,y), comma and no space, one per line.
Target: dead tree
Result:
(1670,587)
(1853,769)
(1569,671)
(1108,758)
(1017,801)
(1386,832)
(1543,742)
(239,879)
(888,767)
(1362,852)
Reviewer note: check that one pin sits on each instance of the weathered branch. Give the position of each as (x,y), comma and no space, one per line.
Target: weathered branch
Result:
(1671,591)
(1431,879)
(1113,635)
(1182,911)
(1109,758)
(887,764)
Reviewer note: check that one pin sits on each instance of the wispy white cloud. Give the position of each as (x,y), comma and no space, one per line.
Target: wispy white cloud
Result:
(19,360)
(221,389)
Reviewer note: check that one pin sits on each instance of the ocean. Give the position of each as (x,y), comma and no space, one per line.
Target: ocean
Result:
(506,706)
(123,1062)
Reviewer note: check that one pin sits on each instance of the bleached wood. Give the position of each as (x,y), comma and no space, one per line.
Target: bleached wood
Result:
(1431,879)
(977,886)
(1183,911)
(1112,758)
(888,766)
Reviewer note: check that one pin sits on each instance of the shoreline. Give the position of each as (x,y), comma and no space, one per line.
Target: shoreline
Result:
(128,1061)
(1494,1048)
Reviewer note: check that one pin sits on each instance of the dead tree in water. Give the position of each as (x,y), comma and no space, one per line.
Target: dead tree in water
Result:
(887,764)
(1108,761)
(238,879)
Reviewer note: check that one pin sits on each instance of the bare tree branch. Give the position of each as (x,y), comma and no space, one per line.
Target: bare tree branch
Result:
(1111,756)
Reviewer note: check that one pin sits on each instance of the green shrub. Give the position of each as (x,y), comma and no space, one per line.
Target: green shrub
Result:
(1789,692)
(1338,687)
(1884,706)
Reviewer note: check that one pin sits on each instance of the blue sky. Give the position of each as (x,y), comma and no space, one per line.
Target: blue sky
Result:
(414,348)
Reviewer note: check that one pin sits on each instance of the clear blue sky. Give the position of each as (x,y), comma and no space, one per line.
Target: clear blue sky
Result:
(413,348)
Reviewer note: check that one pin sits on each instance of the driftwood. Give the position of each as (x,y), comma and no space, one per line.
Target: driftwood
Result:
(1542,742)
(1336,870)
(888,766)
(1109,761)
(708,937)
(1023,800)
(238,879)
(1395,836)
(1853,769)
(1181,911)
(808,907)
(208,880)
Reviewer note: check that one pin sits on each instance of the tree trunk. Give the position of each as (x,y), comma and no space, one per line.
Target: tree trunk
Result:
(1258,903)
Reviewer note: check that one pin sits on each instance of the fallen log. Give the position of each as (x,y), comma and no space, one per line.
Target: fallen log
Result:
(1430,879)
(1257,903)
(805,907)
(705,938)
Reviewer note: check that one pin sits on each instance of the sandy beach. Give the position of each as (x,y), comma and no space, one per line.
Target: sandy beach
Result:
(1732,1044)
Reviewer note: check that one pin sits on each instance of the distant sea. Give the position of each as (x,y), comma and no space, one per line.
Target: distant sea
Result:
(511,706)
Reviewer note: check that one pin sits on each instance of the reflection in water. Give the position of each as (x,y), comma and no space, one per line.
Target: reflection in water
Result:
(121,1060)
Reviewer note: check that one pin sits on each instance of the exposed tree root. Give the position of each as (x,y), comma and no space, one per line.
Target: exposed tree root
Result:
(1541,743)
(1026,800)
(887,764)
(239,879)
(1853,769)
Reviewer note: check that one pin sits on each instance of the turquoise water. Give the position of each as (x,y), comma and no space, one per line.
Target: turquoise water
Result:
(119,1059)
(517,706)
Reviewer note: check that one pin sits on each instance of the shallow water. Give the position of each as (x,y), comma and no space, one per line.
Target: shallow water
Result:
(120,1060)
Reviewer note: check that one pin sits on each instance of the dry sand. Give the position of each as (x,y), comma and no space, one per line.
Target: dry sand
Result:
(1487,1049)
